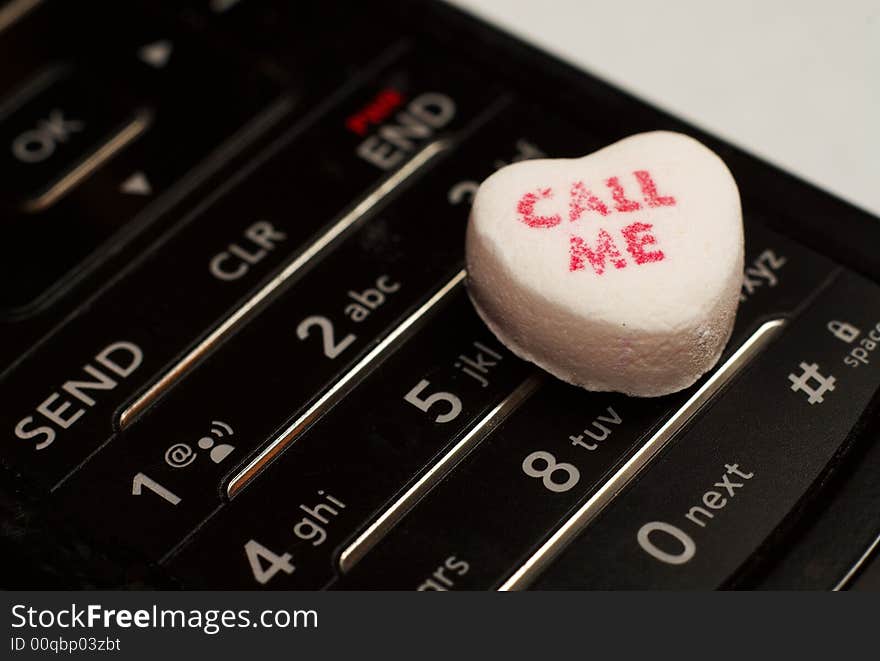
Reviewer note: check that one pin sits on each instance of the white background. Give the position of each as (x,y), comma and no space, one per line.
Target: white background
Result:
(797,83)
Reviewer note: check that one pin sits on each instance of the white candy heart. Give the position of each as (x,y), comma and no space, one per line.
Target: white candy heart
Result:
(617,271)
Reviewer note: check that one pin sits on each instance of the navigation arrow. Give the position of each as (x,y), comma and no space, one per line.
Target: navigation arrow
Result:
(156,54)
(136,184)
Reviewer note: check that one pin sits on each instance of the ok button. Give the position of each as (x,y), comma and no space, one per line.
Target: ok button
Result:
(62,133)
(38,144)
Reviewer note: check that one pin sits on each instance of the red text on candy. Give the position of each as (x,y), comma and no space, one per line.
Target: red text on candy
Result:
(581,200)
(603,251)
(636,235)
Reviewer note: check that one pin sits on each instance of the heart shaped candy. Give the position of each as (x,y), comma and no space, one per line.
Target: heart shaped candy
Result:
(617,271)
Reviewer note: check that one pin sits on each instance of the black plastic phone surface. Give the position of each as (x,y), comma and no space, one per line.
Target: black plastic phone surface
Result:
(236,350)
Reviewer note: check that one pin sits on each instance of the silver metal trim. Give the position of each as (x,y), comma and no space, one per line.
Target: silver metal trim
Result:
(355,551)
(539,560)
(843,583)
(185,364)
(334,394)
(92,162)
(16,10)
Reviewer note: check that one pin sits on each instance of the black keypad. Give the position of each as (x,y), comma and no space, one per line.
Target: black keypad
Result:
(226,250)
(510,492)
(556,450)
(718,494)
(318,330)
(236,350)
(391,428)
(98,129)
